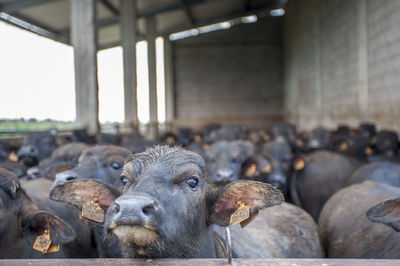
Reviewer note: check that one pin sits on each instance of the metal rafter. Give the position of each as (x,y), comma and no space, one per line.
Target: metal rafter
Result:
(111,7)
(254,11)
(41,29)
(189,12)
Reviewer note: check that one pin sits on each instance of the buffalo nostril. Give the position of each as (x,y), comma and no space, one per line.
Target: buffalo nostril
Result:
(148,209)
(70,178)
(116,207)
(31,149)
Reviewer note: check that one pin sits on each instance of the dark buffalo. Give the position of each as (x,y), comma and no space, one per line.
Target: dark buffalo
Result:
(227,133)
(356,146)
(323,174)
(37,146)
(287,131)
(280,150)
(224,160)
(167,209)
(107,139)
(381,172)
(17,168)
(102,162)
(367,130)
(265,169)
(386,143)
(62,159)
(136,142)
(5,150)
(345,230)
(24,219)
(319,139)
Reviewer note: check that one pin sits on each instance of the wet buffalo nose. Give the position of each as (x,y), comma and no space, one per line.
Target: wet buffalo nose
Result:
(138,210)
(225,173)
(33,172)
(64,176)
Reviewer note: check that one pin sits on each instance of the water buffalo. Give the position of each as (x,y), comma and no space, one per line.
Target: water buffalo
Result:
(102,162)
(224,160)
(323,174)
(36,146)
(62,159)
(345,230)
(167,209)
(23,219)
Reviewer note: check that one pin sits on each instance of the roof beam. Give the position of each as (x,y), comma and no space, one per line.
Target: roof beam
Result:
(188,11)
(13,6)
(34,26)
(111,7)
(145,13)
(222,19)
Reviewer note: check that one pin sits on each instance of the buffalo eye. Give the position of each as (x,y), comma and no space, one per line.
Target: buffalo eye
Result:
(116,166)
(192,183)
(237,160)
(124,180)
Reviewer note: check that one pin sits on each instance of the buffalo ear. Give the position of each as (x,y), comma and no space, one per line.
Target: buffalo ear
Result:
(387,212)
(40,221)
(223,202)
(80,191)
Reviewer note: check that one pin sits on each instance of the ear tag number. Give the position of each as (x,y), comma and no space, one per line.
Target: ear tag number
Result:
(43,242)
(241,214)
(92,211)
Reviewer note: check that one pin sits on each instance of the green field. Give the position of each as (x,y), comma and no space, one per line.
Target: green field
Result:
(9,126)
(33,125)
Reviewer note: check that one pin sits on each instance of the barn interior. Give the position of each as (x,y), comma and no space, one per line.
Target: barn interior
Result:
(257,63)
(321,63)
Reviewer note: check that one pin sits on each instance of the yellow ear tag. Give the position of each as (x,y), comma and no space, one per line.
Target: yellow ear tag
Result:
(92,211)
(252,170)
(170,140)
(343,146)
(267,169)
(241,214)
(368,151)
(53,249)
(299,165)
(12,157)
(42,242)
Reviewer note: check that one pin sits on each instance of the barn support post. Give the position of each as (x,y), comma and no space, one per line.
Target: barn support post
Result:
(84,41)
(128,40)
(363,61)
(151,59)
(169,84)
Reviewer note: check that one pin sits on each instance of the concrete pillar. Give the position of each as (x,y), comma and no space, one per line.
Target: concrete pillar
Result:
(84,41)
(169,84)
(151,58)
(363,61)
(128,40)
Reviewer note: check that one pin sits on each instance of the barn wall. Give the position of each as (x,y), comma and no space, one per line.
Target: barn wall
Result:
(342,62)
(230,76)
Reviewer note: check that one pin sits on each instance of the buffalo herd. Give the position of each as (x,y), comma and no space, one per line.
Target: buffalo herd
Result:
(219,192)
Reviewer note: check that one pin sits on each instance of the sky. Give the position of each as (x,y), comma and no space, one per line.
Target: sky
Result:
(37,79)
